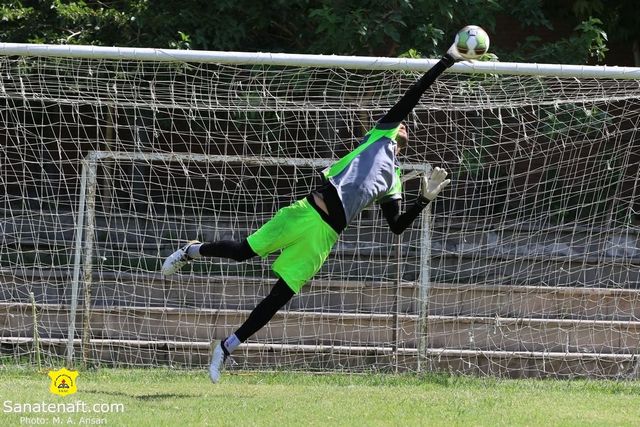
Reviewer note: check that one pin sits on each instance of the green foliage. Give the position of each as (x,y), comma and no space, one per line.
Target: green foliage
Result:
(379,27)
(58,22)
(618,17)
(362,27)
(590,199)
(563,119)
(488,57)
(588,43)
(592,35)
(530,13)
(183,42)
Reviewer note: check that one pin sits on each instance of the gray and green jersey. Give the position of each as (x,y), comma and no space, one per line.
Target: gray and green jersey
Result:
(369,173)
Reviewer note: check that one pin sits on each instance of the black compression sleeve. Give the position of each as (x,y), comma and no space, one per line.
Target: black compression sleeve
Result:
(280,294)
(401,110)
(238,251)
(400,222)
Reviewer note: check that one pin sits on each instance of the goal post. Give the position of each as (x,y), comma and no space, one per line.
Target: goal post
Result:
(110,158)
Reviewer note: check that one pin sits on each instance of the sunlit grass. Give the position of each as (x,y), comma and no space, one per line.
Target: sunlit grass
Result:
(173,397)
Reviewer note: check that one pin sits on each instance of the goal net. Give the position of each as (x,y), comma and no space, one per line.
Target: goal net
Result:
(111,159)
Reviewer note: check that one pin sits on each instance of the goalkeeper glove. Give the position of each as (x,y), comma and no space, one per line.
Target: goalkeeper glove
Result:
(433,185)
(453,53)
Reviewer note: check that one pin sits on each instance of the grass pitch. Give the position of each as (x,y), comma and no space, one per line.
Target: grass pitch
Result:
(159,397)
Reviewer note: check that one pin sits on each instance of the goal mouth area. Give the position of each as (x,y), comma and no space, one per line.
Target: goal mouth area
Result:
(525,265)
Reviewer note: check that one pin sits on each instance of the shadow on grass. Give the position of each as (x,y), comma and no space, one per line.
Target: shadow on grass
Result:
(143,397)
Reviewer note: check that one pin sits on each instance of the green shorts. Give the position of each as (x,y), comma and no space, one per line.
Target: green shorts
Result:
(304,238)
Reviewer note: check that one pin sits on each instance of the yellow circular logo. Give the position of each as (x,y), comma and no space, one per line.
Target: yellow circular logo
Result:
(63,382)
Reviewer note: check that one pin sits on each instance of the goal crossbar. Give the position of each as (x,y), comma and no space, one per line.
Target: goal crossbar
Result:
(410,170)
(307,60)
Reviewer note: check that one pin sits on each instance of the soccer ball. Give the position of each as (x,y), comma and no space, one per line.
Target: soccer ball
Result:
(472,42)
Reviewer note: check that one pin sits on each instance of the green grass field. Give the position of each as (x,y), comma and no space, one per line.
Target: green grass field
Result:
(151,397)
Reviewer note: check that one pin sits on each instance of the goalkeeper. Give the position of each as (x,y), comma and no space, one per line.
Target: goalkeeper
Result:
(306,231)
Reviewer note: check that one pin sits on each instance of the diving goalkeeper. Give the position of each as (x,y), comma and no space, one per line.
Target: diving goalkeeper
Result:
(306,231)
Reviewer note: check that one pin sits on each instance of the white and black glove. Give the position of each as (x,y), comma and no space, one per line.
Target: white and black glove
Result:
(433,185)
(453,53)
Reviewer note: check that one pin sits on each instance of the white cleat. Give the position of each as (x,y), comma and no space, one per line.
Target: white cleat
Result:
(218,357)
(177,260)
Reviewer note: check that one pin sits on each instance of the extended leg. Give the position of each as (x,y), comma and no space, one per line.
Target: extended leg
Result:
(280,294)
(238,251)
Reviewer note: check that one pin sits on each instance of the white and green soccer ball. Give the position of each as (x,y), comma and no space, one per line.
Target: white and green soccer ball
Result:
(472,42)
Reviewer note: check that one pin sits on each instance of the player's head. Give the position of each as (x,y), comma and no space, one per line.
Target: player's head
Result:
(402,139)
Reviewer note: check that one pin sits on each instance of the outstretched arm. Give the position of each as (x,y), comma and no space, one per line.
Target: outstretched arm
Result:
(399,222)
(428,191)
(401,110)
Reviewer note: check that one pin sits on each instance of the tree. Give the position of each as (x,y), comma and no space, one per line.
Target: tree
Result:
(357,27)
(620,19)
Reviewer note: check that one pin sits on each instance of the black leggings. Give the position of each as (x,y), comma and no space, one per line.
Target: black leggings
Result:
(264,311)
(280,294)
(238,251)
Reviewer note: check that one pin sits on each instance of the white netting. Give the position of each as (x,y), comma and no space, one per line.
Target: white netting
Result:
(530,267)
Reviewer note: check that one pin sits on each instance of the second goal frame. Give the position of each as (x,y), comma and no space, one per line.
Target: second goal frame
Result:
(85,234)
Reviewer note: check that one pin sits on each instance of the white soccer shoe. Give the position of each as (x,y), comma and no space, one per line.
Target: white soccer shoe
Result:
(218,356)
(177,260)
